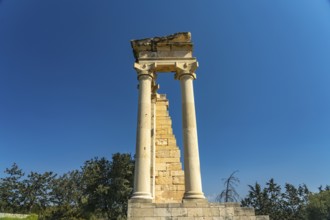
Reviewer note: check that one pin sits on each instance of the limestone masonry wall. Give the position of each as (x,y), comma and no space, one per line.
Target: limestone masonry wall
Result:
(190,211)
(169,176)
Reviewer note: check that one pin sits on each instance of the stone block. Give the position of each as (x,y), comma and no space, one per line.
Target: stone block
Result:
(161,141)
(168,136)
(160,103)
(177,173)
(169,188)
(174,166)
(161,113)
(163,173)
(163,122)
(178,180)
(163,126)
(162,131)
(215,211)
(161,108)
(162,212)
(239,211)
(171,195)
(175,153)
(167,128)
(195,212)
(174,205)
(160,167)
(147,205)
(166,147)
(167,153)
(171,142)
(145,212)
(163,153)
(195,203)
(158,187)
(162,205)
(179,212)
(163,117)
(163,180)
(227,212)
(169,161)
(181,187)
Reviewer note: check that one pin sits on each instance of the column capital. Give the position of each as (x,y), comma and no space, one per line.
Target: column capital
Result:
(184,68)
(145,69)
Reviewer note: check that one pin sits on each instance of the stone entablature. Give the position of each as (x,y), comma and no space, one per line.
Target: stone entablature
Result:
(177,46)
(165,54)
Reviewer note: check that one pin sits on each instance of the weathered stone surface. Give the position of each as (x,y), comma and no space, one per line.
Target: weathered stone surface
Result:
(191,210)
(161,141)
(175,45)
(174,166)
(168,161)
(177,173)
(169,176)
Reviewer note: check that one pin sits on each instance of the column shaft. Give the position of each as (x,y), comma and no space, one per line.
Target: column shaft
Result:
(143,140)
(193,181)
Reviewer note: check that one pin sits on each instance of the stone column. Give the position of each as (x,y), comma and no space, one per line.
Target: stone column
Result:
(193,181)
(143,137)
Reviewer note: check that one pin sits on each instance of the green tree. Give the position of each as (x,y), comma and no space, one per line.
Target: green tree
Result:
(121,187)
(10,190)
(289,205)
(107,186)
(36,192)
(295,201)
(319,206)
(65,196)
(229,194)
(96,187)
(100,190)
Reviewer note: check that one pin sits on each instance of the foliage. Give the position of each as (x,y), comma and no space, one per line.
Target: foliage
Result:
(229,194)
(10,190)
(319,205)
(65,196)
(100,189)
(288,205)
(122,176)
(35,192)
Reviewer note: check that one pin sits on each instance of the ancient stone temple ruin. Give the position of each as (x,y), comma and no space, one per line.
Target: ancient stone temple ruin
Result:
(162,188)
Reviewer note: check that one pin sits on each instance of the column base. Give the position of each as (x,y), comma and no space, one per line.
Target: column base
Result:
(193,195)
(141,196)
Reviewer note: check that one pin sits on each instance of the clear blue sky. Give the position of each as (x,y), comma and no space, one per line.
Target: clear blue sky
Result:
(68,89)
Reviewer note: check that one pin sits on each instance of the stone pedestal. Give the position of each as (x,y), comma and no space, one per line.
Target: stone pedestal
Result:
(192,210)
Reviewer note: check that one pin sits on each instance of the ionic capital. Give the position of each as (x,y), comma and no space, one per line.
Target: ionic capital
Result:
(145,69)
(183,68)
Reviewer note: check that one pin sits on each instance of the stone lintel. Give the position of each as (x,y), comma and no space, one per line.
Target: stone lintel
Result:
(175,45)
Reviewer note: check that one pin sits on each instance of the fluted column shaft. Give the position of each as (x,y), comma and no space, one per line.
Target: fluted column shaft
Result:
(193,181)
(143,140)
